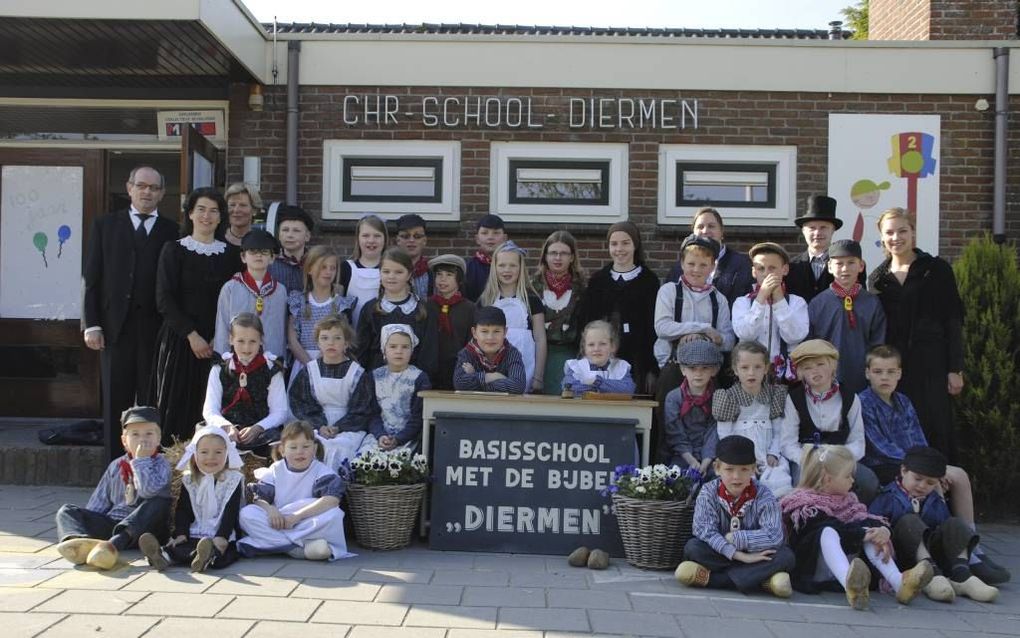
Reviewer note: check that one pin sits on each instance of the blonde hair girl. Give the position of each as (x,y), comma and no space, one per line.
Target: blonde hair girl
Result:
(509,290)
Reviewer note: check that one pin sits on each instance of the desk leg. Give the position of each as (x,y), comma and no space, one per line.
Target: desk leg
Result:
(644,446)
(426,441)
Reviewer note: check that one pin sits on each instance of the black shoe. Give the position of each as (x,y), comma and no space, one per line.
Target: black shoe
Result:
(990,572)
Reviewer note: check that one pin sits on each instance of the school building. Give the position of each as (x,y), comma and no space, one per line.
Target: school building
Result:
(550,127)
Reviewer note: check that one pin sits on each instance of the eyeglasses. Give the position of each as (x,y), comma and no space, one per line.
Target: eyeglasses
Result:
(558,253)
(416,236)
(142,186)
(261,252)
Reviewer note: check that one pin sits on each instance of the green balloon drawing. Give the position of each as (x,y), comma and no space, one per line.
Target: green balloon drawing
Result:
(40,240)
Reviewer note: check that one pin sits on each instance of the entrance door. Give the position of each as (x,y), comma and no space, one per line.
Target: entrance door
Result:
(48,199)
(200,164)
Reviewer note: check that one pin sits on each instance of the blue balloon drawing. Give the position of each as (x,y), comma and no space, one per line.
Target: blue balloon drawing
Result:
(63,234)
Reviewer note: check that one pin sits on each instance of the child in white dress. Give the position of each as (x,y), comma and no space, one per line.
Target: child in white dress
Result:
(296,503)
(598,370)
(753,408)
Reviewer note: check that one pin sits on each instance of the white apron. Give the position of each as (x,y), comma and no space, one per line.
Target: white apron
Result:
(754,423)
(518,333)
(334,395)
(293,492)
(364,285)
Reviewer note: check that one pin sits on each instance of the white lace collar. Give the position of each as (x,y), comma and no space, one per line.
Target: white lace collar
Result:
(406,306)
(215,247)
(630,275)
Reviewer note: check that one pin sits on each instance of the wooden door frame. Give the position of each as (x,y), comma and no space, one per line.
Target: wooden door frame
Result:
(20,394)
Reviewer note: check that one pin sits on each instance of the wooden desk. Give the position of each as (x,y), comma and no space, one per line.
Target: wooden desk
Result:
(496,404)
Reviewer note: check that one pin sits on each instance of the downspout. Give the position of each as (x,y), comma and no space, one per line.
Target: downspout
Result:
(293,54)
(1001,55)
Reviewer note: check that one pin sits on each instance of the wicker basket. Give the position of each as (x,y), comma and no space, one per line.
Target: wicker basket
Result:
(384,515)
(654,532)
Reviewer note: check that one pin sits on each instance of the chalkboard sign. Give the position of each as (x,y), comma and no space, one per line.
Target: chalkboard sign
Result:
(526,483)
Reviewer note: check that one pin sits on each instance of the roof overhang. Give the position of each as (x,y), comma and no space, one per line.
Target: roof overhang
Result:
(129,44)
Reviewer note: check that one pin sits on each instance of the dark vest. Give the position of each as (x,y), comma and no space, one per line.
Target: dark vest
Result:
(245,413)
(808,429)
(143,288)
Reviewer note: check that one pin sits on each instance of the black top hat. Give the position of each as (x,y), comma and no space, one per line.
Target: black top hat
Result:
(735,450)
(258,239)
(820,208)
(707,243)
(287,212)
(845,248)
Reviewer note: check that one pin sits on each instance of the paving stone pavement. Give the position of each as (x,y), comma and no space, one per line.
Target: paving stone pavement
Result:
(417,593)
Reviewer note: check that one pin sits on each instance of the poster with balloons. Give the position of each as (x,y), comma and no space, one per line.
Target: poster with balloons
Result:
(880,161)
(41,242)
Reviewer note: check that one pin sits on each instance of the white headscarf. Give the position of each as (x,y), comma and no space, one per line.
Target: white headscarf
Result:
(203,497)
(391,329)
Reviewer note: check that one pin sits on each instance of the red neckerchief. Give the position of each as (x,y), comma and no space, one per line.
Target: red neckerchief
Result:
(261,291)
(445,303)
(242,373)
(126,472)
(701,402)
(705,288)
(485,258)
(757,288)
(848,297)
(293,261)
(735,506)
(420,267)
(821,398)
(487,363)
(559,284)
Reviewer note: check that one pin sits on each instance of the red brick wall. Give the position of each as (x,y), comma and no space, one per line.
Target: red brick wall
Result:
(899,19)
(974,19)
(799,119)
(942,19)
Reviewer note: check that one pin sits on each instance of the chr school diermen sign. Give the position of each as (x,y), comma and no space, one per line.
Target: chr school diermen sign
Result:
(575,113)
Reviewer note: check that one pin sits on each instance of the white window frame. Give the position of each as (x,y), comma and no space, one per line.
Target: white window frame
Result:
(783,157)
(615,210)
(334,152)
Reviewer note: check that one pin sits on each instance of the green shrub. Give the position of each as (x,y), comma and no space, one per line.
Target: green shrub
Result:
(988,423)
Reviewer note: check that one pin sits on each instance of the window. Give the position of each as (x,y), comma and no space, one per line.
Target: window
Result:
(391,177)
(557,182)
(749,185)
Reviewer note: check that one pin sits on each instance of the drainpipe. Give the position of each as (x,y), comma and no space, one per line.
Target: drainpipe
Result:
(293,53)
(1001,55)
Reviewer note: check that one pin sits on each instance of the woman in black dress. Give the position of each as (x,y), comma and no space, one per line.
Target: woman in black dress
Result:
(623,293)
(924,316)
(191,272)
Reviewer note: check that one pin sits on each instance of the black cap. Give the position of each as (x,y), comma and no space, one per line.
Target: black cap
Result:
(258,239)
(736,450)
(407,222)
(490,221)
(845,248)
(139,414)
(926,461)
(286,212)
(707,243)
(490,316)
(822,209)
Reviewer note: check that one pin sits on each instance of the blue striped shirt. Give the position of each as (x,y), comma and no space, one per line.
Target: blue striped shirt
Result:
(761,526)
(512,367)
(151,478)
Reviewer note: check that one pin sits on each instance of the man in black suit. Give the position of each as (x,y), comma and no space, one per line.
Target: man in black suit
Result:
(119,317)
(809,272)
